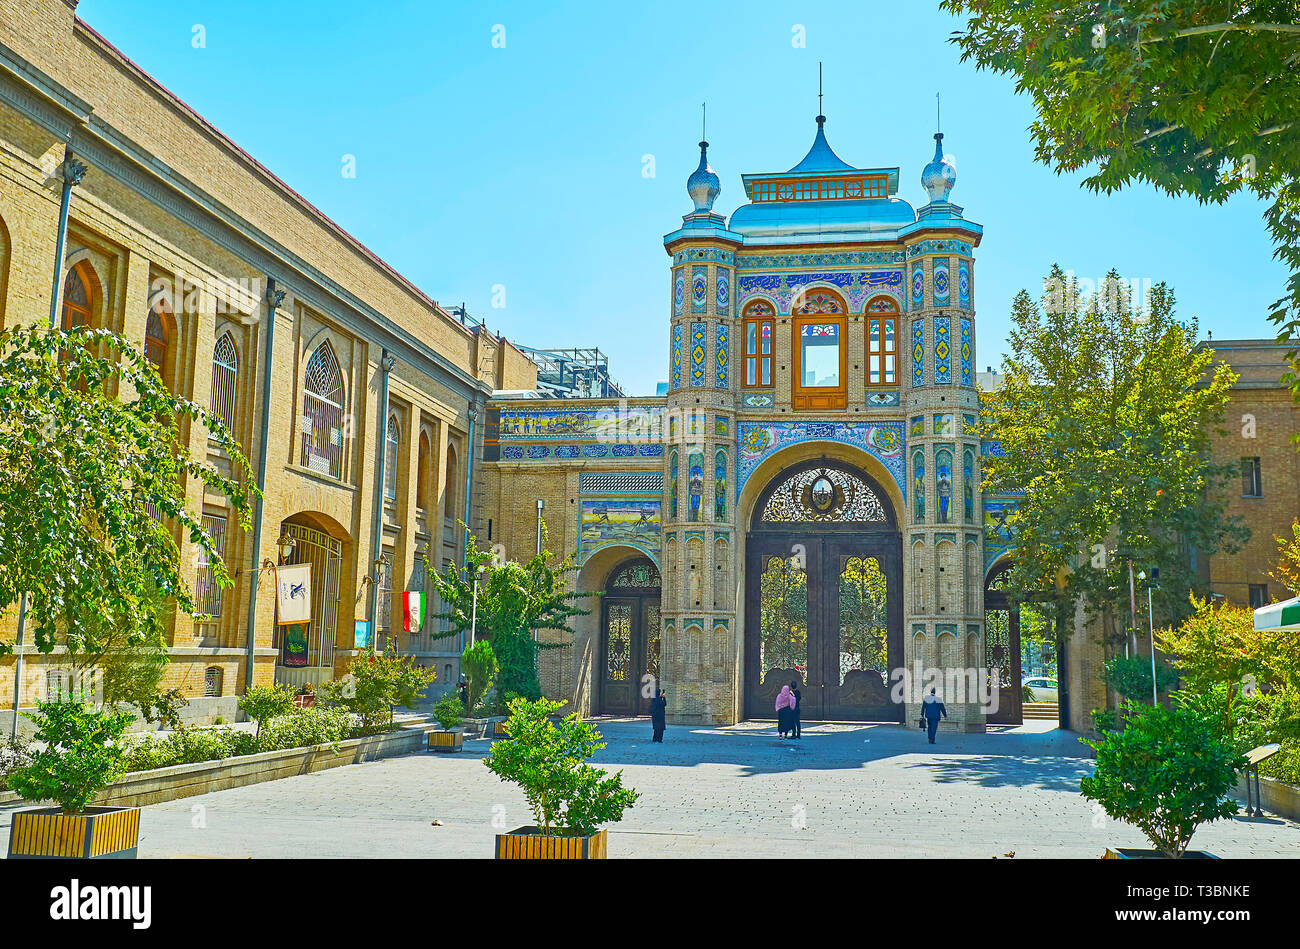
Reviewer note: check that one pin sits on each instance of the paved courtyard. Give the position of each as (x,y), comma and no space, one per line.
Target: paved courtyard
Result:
(842,791)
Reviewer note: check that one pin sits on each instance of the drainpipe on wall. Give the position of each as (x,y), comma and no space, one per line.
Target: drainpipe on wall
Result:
(73,172)
(272,299)
(469,480)
(386,363)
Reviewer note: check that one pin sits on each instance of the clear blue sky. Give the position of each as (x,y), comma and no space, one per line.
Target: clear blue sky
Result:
(522,166)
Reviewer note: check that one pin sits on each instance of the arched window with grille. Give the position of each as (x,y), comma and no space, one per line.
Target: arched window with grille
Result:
(392,445)
(225,377)
(76,299)
(322,413)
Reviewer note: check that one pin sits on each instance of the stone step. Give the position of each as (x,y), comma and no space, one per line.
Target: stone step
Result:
(1041,710)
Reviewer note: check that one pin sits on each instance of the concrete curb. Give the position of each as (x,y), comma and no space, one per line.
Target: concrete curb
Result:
(186,780)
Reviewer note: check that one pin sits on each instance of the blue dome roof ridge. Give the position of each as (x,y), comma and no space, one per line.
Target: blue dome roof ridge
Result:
(821,157)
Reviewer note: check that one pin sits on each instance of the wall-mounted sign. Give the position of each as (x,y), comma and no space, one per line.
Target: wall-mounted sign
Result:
(293,593)
(294,650)
(361,638)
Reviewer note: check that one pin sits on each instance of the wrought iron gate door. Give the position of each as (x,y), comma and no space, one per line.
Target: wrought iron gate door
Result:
(823,588)
(630,636)
(1002,651)
(325,554)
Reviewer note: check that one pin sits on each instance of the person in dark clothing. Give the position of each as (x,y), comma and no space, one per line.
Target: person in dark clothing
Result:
(931,709)
(463,687)
(795,725)
(658,710)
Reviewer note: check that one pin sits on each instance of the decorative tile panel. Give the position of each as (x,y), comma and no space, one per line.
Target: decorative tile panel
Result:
(715,254)
(758,440)
(882,398)
(722,292)
(679,291)
(941,281)
(677,356)
(942,351)
(946,246)
(722,376)
(635,523)
(698,342)
(967,353)
(856,286)
(918,353)
(700,290)
(918,285)
(603,424)
(758,400)
(963,284)
(847,259)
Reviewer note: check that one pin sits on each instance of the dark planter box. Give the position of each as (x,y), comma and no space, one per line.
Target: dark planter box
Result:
(529,843)
(1142,853)
(446,741)
(101,833)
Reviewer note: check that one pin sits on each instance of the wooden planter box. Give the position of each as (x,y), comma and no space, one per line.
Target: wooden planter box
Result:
(528,843)
(446,741)
(498,730)
(101,833)
(1143,853)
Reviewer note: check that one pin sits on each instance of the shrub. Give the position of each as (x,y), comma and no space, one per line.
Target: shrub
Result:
(382,681)
(549,762)
(1285,765)
(262,703)
(1168,771)
(1130,676)
(300,728)
(15,753)
(448,712)
(479,664)
(83,754)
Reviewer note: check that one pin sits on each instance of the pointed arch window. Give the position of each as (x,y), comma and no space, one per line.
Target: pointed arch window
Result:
(422,473)
(449,493)
(76,299)
(322,413)
(392,443)
(225,376)
(156,338)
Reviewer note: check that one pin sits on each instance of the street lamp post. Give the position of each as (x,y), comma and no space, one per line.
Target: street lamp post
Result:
(1151,621)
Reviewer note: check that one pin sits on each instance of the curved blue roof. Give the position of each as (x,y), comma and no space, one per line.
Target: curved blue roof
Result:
(821,158)
(791,222)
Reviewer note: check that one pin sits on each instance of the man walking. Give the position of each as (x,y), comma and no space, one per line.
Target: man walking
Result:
(796,730)
(931,709)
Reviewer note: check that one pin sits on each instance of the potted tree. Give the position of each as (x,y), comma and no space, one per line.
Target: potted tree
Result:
(83,754)
(1166,772)
(448,714)
(569,798)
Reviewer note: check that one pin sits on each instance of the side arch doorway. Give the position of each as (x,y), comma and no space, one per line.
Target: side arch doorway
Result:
(630,631)
(823,595)
(1020,644)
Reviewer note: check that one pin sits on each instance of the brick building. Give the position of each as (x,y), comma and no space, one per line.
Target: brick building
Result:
(174,235)
(1260,421)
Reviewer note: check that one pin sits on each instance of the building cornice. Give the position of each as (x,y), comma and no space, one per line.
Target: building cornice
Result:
(45,101)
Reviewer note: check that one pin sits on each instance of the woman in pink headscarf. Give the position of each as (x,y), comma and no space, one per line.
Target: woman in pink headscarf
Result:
(784,711)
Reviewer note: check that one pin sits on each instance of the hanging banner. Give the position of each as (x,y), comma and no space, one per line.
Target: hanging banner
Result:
(293,593)
(294,650)
(414,607)
(361,635)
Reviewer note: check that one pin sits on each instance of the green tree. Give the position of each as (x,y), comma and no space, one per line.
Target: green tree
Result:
(80,753)
(262,703)
(1287,571)
(480,665)
(1104,417)
(382,680)
(1166,772)
(1191,96)
(514,602)
(549,762)
(91,446)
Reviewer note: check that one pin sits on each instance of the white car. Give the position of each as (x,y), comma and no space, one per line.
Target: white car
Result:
(1044,689)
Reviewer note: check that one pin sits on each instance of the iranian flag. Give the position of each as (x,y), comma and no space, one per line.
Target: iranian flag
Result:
(414,606)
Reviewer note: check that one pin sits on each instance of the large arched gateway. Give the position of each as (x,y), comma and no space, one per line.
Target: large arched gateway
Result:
(630,638)
(823,595)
